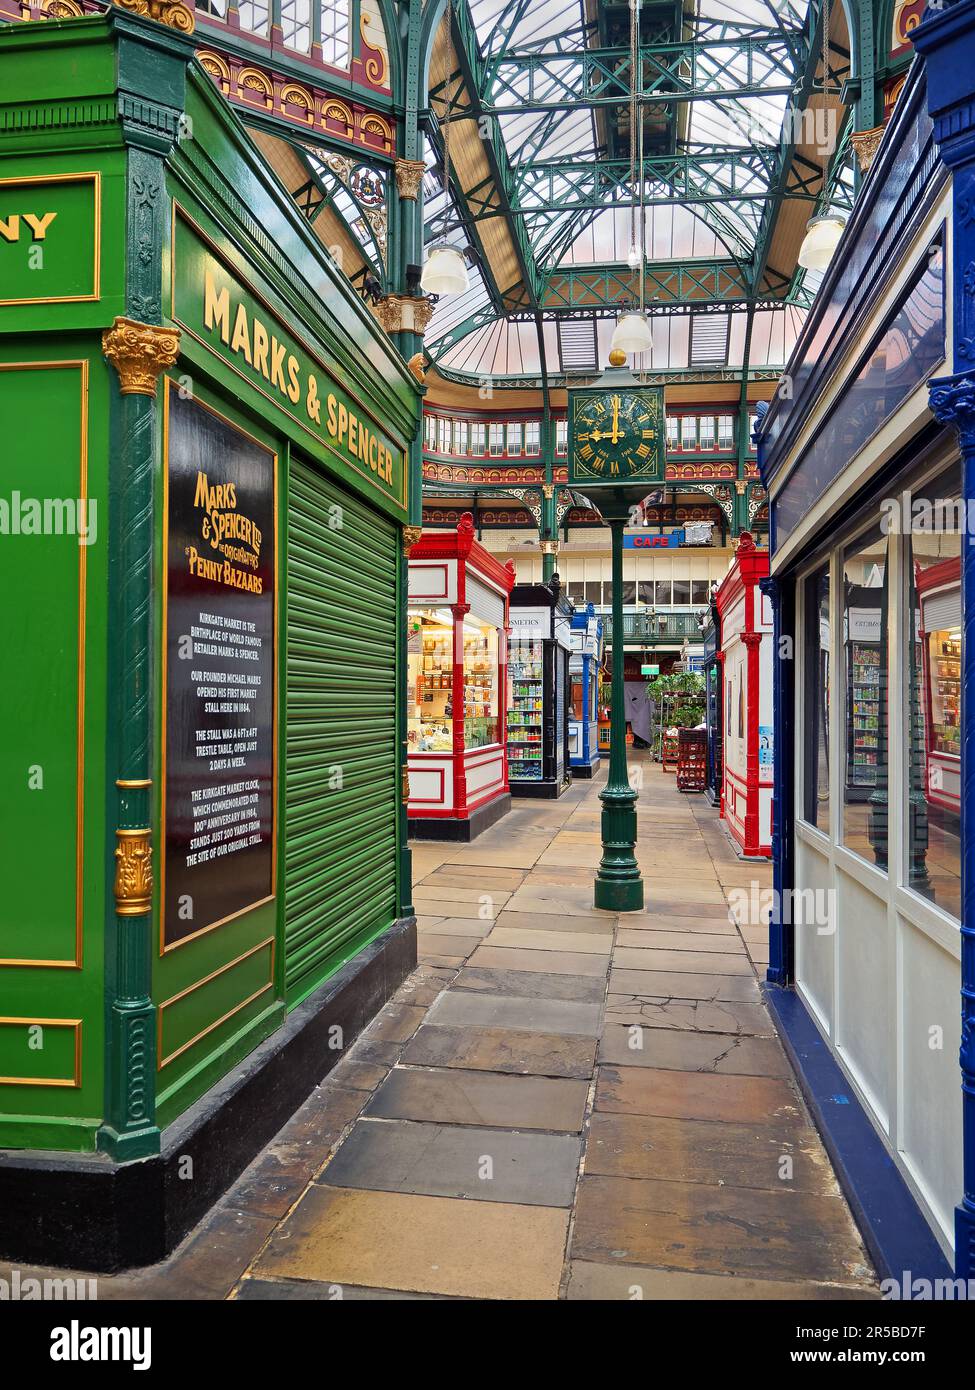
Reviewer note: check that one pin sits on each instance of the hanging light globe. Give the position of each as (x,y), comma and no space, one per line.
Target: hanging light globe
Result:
(632,334)
(445,271)
(633,258)
(821,240)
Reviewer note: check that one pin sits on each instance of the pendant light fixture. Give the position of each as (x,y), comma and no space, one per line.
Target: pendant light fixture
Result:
(822,233)
(632,332)
(445,268)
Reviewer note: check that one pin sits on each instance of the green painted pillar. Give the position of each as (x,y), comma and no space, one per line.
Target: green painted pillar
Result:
(548,533)
(619,887)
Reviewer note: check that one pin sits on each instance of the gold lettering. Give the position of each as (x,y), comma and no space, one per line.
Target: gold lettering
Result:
(375,455)
(39,225)
(343,422)
(277,364)
(332,425)
(241,342)
(353,441)
(294,384)
(216,307)
(10,227)
(260,349)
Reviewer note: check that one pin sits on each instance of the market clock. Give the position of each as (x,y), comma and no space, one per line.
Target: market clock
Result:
(616,432)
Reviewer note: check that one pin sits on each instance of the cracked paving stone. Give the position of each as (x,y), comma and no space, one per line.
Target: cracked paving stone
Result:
(694,1015)
(453,1096)
(499,1049)
(681,1051)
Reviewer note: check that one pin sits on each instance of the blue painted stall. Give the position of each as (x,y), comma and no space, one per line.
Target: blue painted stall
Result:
(586,636)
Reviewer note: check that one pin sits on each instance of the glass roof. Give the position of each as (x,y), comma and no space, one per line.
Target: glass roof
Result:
(555,78)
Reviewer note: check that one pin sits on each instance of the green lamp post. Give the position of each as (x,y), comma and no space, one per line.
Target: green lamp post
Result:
(616,455)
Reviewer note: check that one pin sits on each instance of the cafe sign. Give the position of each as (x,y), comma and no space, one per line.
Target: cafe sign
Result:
(212,305)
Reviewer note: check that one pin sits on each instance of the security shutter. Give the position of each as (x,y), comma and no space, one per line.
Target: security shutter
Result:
(341,785)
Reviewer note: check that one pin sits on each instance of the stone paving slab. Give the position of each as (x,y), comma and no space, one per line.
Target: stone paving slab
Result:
(550,962)
(421,1244)
(590,943)
(652,939)
(717,1230)
(677,984)
(312,1291)
(695,1095)
(465,1009)
(672,1050)
(696,1015)
(691,962)
(454,1096)
(781,1154)
(597,1283)
(530,984)
(499,1049)
(454,926)
(529,921)
(436,1160)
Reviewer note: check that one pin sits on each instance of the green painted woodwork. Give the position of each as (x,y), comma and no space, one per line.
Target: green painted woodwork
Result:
(343,760)
(74,99)
(52,711)
(48,246)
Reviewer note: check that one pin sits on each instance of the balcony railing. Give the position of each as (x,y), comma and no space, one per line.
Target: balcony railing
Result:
(655,627)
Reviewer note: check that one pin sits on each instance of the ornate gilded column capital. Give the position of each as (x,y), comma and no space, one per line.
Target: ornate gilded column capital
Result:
(411,534)
(404,313)
(549,547)
(139,352)
(548,489)
(133,873)
(865,144)
(409,176)
(172,13)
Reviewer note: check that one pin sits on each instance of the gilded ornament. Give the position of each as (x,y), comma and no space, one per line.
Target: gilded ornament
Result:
(866,144)
(416,366)
(133,873)
(409,177)
(411,534)
(139,352)
(172,13)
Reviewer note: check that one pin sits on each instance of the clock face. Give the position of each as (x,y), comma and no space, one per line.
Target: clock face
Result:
(616,436)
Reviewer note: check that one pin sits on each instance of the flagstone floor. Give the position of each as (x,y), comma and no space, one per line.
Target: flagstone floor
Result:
(558,1103)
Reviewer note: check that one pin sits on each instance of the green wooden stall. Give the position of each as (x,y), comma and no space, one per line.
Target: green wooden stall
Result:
(208,462)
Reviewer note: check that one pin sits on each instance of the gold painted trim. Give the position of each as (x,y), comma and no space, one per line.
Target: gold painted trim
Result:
(401,501)
(190,989)
(133,783)
(377,72)
(164,950)
(76,964)
(74,1084)
(94,176)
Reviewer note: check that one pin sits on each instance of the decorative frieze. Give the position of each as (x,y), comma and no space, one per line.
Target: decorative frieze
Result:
(172,13)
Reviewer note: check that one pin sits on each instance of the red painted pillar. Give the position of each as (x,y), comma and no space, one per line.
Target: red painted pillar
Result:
(459,610)
(719,658)
(753,642)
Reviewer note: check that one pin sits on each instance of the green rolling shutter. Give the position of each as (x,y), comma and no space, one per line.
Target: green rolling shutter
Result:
(341,782)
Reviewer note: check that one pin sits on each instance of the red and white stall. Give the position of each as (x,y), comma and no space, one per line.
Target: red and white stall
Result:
(746,645)
(457,685)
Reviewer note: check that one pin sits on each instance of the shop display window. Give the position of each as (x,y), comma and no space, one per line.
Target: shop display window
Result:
(525,673)
(480,684)
(430,675)
(865,627)
(934,661)
(577,710)
(816,691)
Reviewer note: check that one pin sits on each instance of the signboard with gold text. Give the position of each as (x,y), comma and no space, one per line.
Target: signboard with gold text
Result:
(220,671)
(50,242)
(210,303)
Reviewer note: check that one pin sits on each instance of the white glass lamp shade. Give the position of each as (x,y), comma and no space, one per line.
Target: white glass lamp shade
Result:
(820,242)
(445,271)
(632,334)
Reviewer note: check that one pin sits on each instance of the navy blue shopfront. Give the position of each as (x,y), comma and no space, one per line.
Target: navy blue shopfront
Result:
(586,636)
(868,455)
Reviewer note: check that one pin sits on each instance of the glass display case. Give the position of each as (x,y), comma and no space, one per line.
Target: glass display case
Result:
(538,695)
(586,635)
(456,684)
